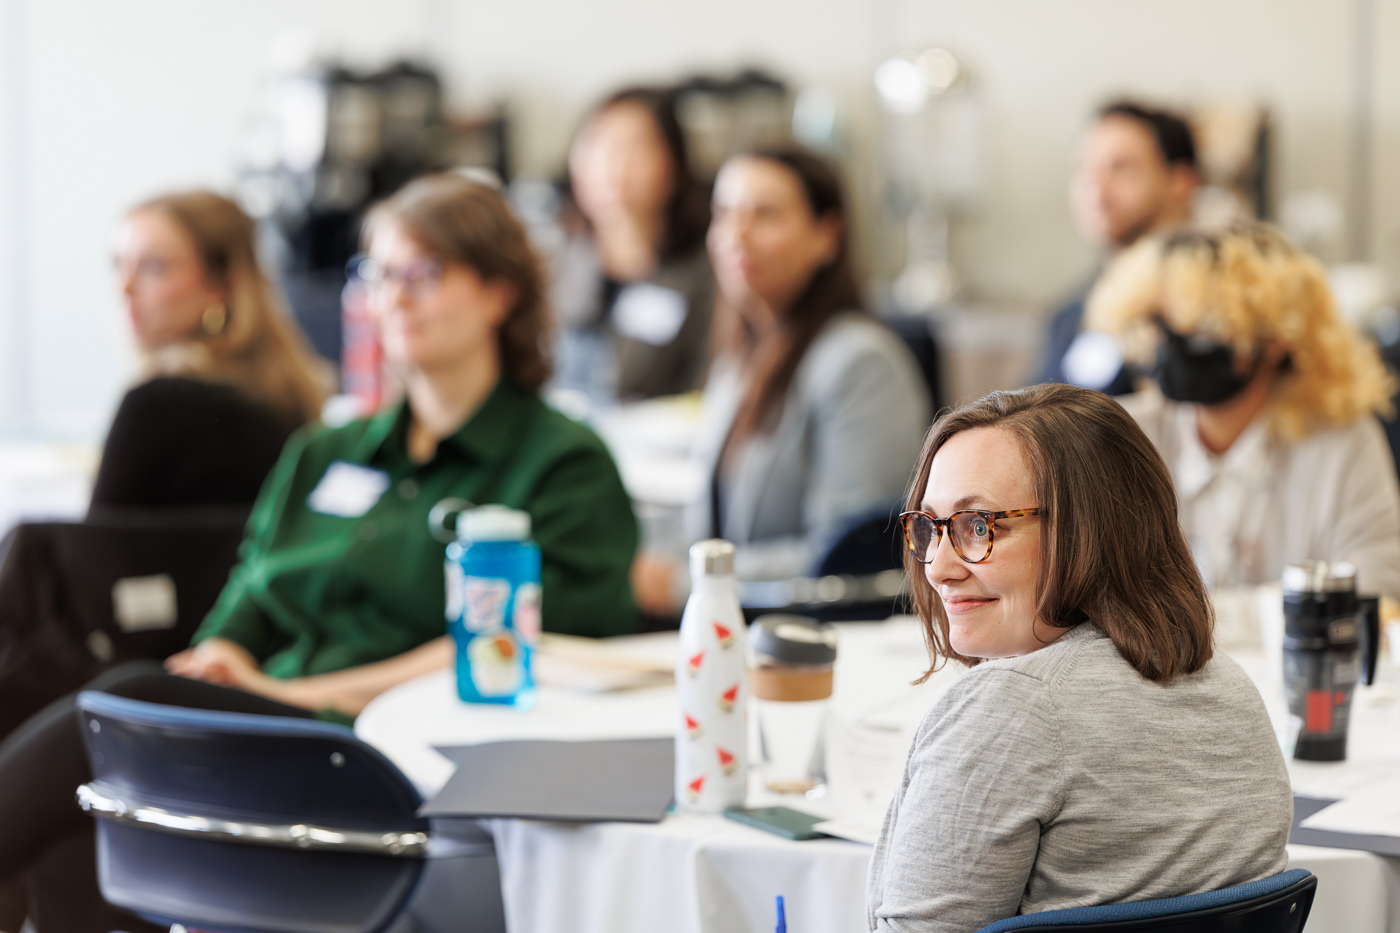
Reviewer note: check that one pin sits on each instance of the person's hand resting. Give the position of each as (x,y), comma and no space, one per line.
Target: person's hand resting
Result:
(653,584)
(222,662)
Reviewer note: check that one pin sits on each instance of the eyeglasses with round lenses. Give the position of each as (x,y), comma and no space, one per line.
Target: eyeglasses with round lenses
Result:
(972,532)
(417,278)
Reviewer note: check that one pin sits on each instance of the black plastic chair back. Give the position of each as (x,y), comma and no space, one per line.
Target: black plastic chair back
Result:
(59,624)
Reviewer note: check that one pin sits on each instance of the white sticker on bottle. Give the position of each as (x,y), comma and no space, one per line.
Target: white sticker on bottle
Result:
(496,668)
(526,614)
(485,606)
(454,582)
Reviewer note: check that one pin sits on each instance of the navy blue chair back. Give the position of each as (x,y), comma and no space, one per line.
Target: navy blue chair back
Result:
(235,822)
(1279,904)
(920,334)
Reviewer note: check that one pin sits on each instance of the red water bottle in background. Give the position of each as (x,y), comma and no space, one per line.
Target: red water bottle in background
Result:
(362,356)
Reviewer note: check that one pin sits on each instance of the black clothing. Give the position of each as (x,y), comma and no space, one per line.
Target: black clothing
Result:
(632,340)
(178,441)
(1065,326)
(42,763)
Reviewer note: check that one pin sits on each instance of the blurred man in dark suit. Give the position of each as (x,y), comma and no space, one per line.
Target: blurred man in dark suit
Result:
(1137,174)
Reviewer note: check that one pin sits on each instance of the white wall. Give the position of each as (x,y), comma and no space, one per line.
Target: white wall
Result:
(13,377)
(124,99)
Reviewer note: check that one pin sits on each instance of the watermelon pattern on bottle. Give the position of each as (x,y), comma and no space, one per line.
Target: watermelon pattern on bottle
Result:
(724,636)
(712,695)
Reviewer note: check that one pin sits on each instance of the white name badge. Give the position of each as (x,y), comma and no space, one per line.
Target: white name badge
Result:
(348,490)
(650,313)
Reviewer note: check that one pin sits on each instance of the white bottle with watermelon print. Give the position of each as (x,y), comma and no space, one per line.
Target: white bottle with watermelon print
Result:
(712,686)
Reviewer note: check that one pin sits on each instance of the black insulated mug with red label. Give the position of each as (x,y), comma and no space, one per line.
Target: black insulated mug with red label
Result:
(1329,646)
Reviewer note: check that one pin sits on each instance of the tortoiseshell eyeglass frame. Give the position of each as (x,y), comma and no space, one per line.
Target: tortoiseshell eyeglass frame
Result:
(941,527)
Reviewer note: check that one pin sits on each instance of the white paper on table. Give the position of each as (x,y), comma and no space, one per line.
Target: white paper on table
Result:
(1374,811)
(600,665)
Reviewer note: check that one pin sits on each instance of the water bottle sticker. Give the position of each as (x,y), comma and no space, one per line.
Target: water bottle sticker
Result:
(693,665)
(728,763)
(693,727)
(695,788)
(728,698)
(725,636)
(454,582)
(526,614)
(486,600)
(496,667)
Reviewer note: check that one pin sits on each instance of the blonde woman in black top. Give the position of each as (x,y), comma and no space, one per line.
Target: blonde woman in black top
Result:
(227,374)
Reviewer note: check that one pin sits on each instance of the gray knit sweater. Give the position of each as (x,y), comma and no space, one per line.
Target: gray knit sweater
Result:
(1063,779)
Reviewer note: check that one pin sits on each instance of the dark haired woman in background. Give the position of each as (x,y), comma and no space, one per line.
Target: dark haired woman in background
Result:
(1096,753)
(813,410)
(227,376)
(634,290)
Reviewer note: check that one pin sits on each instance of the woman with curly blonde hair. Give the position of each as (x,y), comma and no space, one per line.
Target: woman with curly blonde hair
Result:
(1263,406)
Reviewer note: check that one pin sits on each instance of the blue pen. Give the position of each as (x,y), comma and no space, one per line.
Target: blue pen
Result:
(782,917)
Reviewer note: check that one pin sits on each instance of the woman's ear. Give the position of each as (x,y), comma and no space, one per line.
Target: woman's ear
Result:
(504,295)
(831,228)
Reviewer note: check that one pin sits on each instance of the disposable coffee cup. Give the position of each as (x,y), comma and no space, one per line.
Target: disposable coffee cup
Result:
(790,681)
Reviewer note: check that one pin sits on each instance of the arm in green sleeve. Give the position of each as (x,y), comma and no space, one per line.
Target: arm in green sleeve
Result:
(236,616)
(583,523)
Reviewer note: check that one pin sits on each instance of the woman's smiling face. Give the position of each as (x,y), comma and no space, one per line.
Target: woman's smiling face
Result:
(991,606)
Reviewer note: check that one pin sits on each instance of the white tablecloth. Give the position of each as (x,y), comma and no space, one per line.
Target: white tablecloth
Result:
(44,481)
(705,874)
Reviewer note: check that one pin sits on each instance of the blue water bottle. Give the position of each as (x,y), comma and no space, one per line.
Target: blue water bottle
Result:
(494,605)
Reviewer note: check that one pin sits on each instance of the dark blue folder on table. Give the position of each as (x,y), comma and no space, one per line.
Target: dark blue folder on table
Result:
(630,780)
(1304,807)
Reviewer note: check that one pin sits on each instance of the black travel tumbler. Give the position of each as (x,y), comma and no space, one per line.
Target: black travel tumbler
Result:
(1329,641)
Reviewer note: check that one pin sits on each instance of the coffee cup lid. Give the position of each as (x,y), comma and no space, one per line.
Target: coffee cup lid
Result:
(1319,576)
(793,639)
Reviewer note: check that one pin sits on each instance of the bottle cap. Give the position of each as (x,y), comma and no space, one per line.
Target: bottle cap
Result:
(1318,576)
(710,557)
(791,639)
(493,523)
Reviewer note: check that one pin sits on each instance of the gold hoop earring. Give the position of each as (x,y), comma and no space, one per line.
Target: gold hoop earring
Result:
(214,319)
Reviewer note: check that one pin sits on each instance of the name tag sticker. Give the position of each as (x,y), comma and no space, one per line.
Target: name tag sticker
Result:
(650,313)
(348,490)
(141,604)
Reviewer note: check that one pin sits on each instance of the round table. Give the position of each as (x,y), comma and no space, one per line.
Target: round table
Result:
(706,874)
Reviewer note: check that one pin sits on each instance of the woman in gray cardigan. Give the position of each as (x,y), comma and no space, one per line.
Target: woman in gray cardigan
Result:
(1097,752)
(813,410)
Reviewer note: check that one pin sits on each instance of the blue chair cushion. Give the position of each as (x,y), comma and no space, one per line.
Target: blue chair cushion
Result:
(1145,910)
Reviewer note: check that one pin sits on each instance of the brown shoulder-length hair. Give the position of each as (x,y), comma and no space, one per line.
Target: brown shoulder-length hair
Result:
(1111,547)
(469,222)
(258,349)
(772,360)
(687,211)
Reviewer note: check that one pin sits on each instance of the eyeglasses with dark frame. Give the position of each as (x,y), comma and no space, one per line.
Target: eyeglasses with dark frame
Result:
(417,278)
(972,532)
